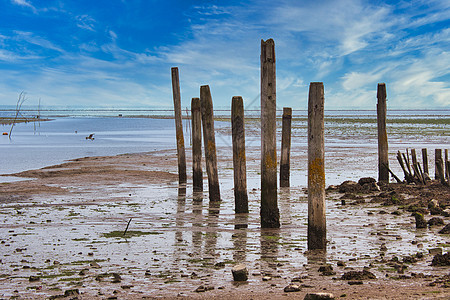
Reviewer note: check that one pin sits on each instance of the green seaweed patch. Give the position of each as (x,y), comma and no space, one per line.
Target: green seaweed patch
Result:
(80,239)
(83,262)
(130,233)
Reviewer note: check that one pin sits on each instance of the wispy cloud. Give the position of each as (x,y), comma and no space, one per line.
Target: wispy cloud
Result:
(25,3)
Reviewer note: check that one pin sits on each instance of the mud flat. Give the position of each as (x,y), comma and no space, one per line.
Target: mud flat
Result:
(62,235)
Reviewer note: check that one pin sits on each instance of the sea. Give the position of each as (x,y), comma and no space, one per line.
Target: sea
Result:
(64,136)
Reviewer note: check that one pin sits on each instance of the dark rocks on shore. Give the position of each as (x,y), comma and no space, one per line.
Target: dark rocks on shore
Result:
(327,270)
(445,230)
(240,272)
(358,275)
(420,220)
(435,221)
(441,260)
(203,288)
(364,185)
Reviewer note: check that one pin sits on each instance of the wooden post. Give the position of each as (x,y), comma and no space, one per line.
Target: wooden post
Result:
(239,160)
(197,174)
(414,162)
(270,215)
(383,160)
(179,126)
(285,147)
(425,161)
(437,161)
(317,229)
(447,171)
(209,141)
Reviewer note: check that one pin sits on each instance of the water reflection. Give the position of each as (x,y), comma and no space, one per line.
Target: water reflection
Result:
(212,232)
(240,237)
(269,241)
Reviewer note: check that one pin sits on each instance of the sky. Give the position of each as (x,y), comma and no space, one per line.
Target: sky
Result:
(118,53)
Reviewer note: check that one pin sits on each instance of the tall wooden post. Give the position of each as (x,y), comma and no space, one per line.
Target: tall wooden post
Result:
(285,147)
(179,126)
(317,228)
(197,174)
(383,160)
(270,215)
(239,160)
(209,141)
(447,171)
(425,161)
(437,162)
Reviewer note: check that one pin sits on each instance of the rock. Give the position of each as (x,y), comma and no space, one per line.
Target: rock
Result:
(327,270)
(116,278)
(441,260)
(364,180)
(266,278)
(349,187)
(292,288)
(340,263)
(319,296)
(433,204)
(200,289)
(434,251)
(383,248)
(240,272)
(33,278)
(445,230)
(83,272)
(358,275)
(95,265)
(73,292)
(420,220)
(435,221)
(357,282)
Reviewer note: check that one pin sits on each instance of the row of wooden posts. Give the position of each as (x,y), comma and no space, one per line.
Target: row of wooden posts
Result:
(202,118)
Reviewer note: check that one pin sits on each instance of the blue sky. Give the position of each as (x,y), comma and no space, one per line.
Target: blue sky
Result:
(119,53)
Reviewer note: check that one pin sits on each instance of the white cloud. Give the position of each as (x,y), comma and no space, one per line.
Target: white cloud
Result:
(24,3)
(37,40)
(85,22)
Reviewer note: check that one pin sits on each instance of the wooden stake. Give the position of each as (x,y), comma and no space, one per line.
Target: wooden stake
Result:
(209,141)
(414,162)
(285,147)
(179,126)
(270,215)
(239,160)
(425,161)
(383,160)
(197,174)
(437,159)
(447,171)
(316,168)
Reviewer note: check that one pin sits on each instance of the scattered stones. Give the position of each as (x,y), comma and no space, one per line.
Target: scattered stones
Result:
(203,288)
(358,275)
(445,230)
(319,296)
(292,288)
(435,221)
(441,260)
(420,220)
(33,278)
(73,292)
(240,272)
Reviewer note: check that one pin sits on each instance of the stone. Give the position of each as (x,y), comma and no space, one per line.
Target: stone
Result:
(327,270)
(266,278)
(358,275)
(240,272)
(433,204)
(200,289)
(292,288)
(33,278)
(445,230)
(365,180)
(420,220)
(319,296)
(349,187)
(340,263)
(441,260)
(73,292)
(95,265)
(435,221)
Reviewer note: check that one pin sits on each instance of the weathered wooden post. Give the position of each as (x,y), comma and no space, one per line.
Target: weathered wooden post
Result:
(239,160)
(209,142)
(447,171)
(425,161)
(437,162)
(317,229)
(270,215)
(285,147)
(197,174)
(414,162)
(179,126)
(383,160)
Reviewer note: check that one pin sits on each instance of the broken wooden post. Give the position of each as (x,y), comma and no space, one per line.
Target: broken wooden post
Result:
(414,162)
(270,215)
(447,171)
(197,174)
(239,160)
(425,161)
(285,147)
(383,160)
(437,160)
(317,230)
(179,126)
(209,142)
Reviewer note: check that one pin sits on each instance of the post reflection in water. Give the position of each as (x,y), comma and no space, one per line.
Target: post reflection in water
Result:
(197,222)
(240,237)
(212,232)
(269,249)
(181,208)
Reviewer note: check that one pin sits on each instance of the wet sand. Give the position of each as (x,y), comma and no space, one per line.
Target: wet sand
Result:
(64,230)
